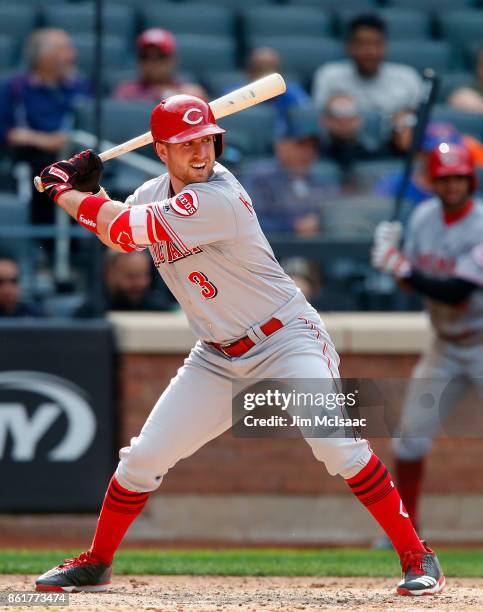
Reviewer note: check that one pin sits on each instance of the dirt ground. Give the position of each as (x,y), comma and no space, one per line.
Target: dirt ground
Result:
(206,593)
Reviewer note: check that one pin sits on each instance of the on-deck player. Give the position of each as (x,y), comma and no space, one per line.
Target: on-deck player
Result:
(203,234)
(443,261)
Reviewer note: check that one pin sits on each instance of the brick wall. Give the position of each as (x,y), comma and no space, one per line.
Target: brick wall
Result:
(229,465)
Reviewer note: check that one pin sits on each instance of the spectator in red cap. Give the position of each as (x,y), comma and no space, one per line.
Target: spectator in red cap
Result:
(157,62)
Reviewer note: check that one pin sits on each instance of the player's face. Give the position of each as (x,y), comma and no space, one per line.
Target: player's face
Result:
(189,162)
(453,190)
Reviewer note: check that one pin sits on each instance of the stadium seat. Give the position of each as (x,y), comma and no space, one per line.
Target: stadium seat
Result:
(17,20)
(218,83)
(451,81)
(301,54)
(7,52)
(120,120)
(253,129)
(114,76)
(327,170)
(365,174)
(187,18)
(62,305)
(421,54)
(285,21)
(399,22)
(14,212)
(206,53)
(355,216)
(125,179)
(437,6)
(331,5)
(114,51)
(402,23)
(466,123)
(236,5)
(459,28)
(80,17)
(470,55)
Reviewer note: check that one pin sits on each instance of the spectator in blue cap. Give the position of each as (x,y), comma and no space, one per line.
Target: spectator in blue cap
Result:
(419,186)
(287,192)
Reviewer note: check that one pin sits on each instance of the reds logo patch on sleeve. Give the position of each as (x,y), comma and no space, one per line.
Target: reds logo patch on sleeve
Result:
(185,203)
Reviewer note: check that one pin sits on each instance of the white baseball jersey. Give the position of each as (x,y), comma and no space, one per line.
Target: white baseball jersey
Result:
(453,250)
(220,267)
(218,264)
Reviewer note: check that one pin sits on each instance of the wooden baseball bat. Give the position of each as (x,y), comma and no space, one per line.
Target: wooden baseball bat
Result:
(430,92)
(249,95)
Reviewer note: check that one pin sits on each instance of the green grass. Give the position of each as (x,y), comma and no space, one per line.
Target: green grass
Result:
(248,562)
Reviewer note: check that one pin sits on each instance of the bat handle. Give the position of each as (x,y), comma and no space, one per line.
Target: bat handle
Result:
(38,184)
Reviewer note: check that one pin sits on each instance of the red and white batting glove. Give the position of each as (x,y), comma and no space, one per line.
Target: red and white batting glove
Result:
(392,261)
(388,233)
(57,178)
(385,255)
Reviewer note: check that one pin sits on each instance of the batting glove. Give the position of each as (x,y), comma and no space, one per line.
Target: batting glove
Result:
(89,168)
(57,178)
(390,260)
(388,233)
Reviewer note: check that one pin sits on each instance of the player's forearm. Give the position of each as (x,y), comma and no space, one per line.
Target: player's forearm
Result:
(70,202)
(451,291)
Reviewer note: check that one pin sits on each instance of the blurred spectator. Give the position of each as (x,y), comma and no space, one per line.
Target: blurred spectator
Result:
(347,135)
(419,187)
(128,285)
(263,61)
(403,124)
(470,98)
(36,107)
(10,302)
(157,61)
(303,275)
(287,192)
(307,276)
(403,129)
(372,85)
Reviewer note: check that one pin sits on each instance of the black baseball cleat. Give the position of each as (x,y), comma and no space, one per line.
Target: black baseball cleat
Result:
(422,574)
(83,573)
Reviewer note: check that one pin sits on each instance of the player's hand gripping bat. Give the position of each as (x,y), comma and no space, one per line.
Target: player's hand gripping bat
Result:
(263,89)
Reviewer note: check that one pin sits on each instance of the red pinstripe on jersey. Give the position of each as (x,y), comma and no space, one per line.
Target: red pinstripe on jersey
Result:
(325,346)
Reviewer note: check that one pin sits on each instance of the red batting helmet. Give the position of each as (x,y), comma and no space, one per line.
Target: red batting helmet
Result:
(183,118)
(452,159)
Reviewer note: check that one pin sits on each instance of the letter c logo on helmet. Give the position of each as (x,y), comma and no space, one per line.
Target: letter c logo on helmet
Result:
(182,118)
(190,111)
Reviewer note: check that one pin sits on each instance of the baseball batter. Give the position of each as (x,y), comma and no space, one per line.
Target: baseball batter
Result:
(201,228)
(442,260)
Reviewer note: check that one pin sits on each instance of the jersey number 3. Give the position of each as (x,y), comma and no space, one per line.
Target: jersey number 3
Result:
(208,290)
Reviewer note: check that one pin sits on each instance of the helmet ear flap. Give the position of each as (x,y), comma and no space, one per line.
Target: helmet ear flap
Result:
(219,143)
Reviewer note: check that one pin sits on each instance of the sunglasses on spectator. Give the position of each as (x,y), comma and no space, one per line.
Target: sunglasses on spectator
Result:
(152,56)
(9,280)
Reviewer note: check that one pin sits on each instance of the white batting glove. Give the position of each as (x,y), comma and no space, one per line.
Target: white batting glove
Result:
(390,260)
(388,233)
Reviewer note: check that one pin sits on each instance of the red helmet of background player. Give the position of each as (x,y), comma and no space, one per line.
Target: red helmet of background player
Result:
(452,160)
(183,118)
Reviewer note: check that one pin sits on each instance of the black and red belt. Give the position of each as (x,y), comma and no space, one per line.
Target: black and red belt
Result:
(243,345)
